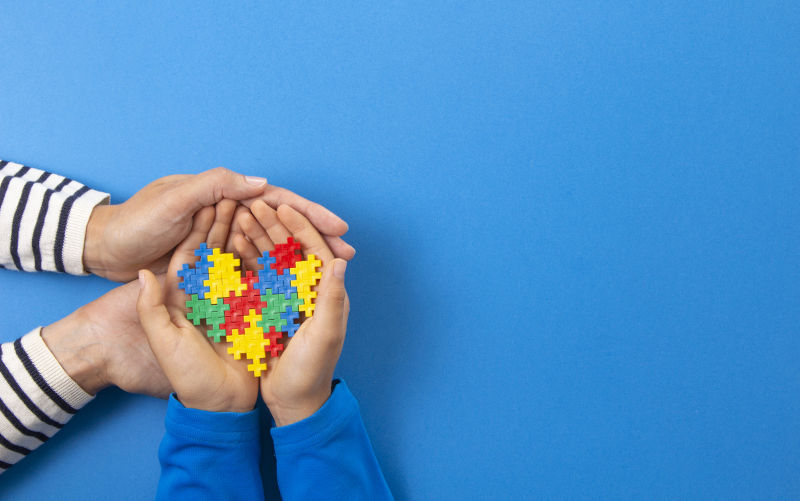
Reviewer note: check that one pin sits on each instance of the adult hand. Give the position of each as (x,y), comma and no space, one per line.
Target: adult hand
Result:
(298,383)
(202,373)
(103,344)
(143,231)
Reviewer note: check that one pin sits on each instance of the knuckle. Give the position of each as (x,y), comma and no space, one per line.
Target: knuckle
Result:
(217,175)
(219,171)
(337,296)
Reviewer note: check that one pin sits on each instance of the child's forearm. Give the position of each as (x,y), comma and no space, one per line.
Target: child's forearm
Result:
(328,455)
(209,455)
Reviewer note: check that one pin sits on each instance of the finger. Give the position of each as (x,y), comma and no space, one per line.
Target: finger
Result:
(305,233)
(339,247)
(327,222)
(178,350)
(209,187)
(223,218)
(268,219)
(236,229)
(332,308)
(154,317)
(254,231)
(218,234)
(247,252)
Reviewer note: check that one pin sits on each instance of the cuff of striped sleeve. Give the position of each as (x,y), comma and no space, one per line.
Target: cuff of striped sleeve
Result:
(53,375)
(75,234)
(37,397)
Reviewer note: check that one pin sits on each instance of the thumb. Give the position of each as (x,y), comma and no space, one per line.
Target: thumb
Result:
(153,315)
(209,187)
(332,304)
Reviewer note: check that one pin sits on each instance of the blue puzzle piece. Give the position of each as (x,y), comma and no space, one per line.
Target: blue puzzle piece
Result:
(203,265)
(193,281)
(267,277)
(266,282)
(185,274)
(203,251)
(266,260)
(283,284)
(290,316)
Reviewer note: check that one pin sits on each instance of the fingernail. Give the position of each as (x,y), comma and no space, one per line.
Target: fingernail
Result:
(141,279)
(255,180)
(339,266)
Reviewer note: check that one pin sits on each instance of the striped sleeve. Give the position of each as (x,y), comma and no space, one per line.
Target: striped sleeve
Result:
(37,397)
(43,219)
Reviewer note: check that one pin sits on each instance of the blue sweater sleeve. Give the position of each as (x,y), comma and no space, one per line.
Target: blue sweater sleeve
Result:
(209,455)
(328,455)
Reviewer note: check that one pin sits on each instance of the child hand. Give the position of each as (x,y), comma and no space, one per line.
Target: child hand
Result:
(298,383)
(202,373)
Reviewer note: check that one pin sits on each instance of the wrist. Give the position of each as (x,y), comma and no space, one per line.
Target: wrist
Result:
(93,252)
(70,341)
(285,414)
(202,403)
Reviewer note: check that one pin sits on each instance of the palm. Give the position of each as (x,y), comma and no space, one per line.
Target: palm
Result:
(202,373)
(285,375)
(286,379)
(217,377)
(129,360)
(297,383)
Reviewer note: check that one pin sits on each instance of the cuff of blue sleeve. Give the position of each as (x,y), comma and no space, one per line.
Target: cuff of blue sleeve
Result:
(319,427)
(198,425)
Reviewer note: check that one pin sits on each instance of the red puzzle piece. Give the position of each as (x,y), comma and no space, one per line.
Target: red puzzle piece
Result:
(286,255)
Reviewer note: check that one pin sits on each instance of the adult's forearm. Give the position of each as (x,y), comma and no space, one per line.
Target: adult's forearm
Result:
(37,397)
(43,219)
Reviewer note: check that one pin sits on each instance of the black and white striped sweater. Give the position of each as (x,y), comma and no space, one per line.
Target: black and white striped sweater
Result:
(43,219)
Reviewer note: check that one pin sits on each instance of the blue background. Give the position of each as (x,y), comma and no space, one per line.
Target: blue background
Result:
(576,223)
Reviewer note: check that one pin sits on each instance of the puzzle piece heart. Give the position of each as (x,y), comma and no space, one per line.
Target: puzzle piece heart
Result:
(253,313)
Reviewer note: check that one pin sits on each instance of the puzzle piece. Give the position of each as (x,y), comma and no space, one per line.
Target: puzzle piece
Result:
(198,307)
(290,316)
(203,251)
(215,318)
(255,343)
(271,320)
(273,336)
(307,277)
(286,255)
(193,281)
(267,275)
(283,284)
(223,276)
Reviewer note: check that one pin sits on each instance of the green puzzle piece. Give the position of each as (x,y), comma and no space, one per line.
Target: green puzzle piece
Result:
(269,320)
(277,303)
(198,307)
(213,314)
